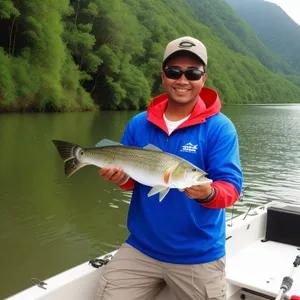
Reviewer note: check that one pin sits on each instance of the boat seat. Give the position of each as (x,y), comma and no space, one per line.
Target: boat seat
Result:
(261,267)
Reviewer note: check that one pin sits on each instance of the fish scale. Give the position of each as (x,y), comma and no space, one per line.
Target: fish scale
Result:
(153,161)
(149,165)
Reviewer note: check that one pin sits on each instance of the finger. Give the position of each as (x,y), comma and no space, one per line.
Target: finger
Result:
(110,173)
(190,195)
(199,188)
(113,173)
(190,191)
(118,176)
(103,171)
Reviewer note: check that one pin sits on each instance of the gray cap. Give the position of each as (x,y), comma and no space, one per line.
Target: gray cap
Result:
(186,43)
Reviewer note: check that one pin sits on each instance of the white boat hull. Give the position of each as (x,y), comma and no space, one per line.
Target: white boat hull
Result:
(254,269)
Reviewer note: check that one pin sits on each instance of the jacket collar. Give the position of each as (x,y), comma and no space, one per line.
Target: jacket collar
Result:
(207,105)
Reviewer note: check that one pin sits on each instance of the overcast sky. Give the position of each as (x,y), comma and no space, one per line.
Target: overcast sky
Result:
(291,7)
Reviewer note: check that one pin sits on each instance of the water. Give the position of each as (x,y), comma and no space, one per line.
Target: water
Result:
(49,223)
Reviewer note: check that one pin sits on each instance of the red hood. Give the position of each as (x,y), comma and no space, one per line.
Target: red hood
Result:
(208,105)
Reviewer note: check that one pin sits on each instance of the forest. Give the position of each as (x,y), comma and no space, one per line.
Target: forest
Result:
(274,27)
(60,55)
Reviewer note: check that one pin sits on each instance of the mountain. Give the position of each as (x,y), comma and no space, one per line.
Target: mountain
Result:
(64,55)
(237,34)
(274,27)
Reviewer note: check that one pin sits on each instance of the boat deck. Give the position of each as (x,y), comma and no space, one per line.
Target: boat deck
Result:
(261,267)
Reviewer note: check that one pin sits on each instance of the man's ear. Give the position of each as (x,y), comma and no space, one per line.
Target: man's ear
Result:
(204,77)
(162,75)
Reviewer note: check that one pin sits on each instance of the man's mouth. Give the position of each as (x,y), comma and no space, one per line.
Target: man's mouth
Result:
(181,90)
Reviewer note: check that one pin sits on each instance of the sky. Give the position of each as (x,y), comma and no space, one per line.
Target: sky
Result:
(291,7)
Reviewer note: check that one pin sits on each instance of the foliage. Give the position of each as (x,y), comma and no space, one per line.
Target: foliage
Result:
(58,55)
(35,77)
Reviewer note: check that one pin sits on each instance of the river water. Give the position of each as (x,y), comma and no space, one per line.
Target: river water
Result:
(49,223)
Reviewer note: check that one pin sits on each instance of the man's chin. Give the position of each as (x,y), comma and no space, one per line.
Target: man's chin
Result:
(182,100)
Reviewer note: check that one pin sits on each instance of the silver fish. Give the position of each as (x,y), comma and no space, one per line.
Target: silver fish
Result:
(149,165)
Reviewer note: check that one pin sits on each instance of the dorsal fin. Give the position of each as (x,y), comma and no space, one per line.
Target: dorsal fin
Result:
(152,147)
(107,142)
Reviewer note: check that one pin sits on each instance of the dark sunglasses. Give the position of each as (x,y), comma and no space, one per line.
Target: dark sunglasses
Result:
(190,74)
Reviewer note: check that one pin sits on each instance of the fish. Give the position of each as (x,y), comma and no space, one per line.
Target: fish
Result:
(148,165)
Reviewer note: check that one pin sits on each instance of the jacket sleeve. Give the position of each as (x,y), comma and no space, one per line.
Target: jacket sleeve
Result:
(128,140)
(226,195)
(223,167)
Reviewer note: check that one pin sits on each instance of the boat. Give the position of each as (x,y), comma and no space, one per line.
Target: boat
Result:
(263,256)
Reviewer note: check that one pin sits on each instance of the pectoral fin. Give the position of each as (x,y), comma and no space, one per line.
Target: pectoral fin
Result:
(156,189)
(162,189)
(163,194)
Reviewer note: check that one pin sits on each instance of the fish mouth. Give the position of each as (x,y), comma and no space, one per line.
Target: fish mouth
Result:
(201,179)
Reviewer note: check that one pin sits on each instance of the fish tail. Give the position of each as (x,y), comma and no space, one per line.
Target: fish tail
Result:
(67,152)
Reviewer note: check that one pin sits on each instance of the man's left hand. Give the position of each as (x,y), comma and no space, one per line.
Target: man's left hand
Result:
(198,191)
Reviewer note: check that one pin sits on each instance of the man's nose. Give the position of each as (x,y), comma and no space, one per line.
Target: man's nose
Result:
(182,79)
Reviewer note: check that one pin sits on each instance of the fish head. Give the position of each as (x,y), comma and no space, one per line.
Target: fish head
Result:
(186,175)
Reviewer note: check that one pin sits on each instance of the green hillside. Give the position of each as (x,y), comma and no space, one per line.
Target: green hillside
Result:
(57,56)
(274,27)
(235,32)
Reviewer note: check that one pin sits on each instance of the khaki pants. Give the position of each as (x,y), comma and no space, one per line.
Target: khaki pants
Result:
(132,275)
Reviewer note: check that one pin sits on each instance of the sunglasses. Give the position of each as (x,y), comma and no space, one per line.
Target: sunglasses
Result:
(190,74)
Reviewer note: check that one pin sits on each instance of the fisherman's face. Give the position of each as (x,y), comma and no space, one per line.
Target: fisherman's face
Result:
(182,90)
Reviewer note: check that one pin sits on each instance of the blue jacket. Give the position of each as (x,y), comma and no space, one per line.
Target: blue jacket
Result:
(178,229)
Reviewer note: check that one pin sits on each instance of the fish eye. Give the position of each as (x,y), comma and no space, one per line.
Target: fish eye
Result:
(81,152)
(194,169)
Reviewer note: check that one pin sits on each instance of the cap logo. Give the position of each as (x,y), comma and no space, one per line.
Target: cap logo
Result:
(186,44)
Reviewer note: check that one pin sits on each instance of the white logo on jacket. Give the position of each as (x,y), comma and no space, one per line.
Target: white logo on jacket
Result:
(189,147)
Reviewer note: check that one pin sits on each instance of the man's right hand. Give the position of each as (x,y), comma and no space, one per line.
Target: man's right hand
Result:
(114,175)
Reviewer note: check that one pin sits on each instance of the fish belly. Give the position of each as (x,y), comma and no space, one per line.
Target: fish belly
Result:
(144,177)
(144,174)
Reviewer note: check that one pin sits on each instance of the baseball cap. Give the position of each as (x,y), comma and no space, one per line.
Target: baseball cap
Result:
(186,43)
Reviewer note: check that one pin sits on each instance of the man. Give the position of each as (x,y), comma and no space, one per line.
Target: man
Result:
(181,240)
